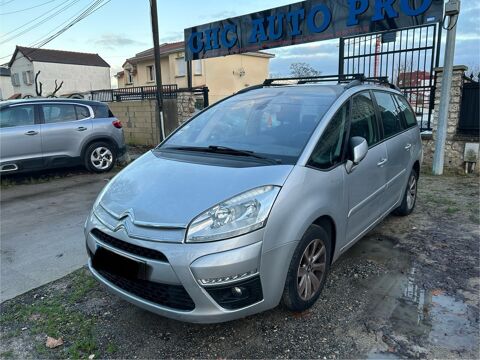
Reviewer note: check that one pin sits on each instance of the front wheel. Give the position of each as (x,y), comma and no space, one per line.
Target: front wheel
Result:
(100,157)
(308,270)
(410,197)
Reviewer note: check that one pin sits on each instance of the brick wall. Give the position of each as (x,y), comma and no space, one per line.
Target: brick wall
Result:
(455,143)
(139,121)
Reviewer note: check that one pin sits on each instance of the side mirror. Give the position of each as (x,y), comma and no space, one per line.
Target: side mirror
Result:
(358,150)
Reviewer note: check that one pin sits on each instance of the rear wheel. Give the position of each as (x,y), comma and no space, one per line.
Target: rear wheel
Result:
(308,270)
(100,157)
(410,197)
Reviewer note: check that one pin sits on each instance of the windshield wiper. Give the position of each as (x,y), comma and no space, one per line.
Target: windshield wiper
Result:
(222,150)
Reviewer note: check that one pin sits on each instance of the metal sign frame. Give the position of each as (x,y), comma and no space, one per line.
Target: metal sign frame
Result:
(306,21)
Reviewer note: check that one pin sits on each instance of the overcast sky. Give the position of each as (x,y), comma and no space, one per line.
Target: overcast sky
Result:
(121,28)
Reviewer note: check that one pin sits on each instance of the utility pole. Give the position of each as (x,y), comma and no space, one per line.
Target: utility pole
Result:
(452,10)
(158,70)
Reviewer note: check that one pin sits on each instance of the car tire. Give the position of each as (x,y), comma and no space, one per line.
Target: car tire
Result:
(409,197)
(308,270)
(100,157)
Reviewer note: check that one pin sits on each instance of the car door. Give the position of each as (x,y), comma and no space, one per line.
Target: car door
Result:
(20,138)
(64,127)
(366,183)
(413,131)
(398,144)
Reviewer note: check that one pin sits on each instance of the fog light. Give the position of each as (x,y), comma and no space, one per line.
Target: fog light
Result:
(238,295)
(228,279)
(237,291)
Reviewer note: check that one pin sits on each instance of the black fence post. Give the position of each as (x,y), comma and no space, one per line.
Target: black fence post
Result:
(205,96)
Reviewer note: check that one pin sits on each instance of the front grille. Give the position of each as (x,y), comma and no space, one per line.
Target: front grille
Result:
(130,248)
(129,275)
(173,296)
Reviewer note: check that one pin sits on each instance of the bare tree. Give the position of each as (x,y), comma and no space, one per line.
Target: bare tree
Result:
(57,87)
(38,85)
(301,69)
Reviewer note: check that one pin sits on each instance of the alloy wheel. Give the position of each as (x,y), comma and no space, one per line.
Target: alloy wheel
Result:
(101,158)
(311,269)
(411,191)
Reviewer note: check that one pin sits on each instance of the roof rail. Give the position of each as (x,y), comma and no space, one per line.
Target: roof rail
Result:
(351,80)
(340,78)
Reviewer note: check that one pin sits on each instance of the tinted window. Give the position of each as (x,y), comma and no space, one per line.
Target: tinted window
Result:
(363,120)
(82,112)
(406,111)
(102,111)
(17,116)
(56,113)
(328,151)
(389,113)
(273,122)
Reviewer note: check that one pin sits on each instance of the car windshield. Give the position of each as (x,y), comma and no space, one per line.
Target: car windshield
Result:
(274,123)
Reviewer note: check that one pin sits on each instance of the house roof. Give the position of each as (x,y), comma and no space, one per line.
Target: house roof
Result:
(169,48)
(59,57)
(4,71)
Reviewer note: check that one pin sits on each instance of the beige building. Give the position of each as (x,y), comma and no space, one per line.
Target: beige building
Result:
(223,76)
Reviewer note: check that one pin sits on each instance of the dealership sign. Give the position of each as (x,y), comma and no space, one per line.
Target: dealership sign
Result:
(307,21)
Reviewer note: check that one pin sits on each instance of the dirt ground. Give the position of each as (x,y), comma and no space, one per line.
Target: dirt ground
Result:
(409,289)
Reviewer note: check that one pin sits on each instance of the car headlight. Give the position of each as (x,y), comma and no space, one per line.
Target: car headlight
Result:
(237,216)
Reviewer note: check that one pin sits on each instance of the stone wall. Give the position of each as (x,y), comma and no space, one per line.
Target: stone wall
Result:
(185,106)
(455,143)
(140,118)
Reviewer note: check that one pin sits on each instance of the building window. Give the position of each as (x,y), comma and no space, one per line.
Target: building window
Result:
(181,66)
(15,79)
(197,67)
(27,77)
(129,77)
(151,73)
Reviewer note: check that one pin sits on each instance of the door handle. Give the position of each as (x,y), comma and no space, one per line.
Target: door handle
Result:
(31,133)
(382,162)
(408,147)
(81,128)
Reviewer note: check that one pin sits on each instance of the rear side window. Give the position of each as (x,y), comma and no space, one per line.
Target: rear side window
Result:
(56,113)
(82,112)
(406,111)
(17,116)
(363,119)
(389,113)
(328,151)
(102,111)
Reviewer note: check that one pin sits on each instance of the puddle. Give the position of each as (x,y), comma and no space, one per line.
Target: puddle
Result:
(414,321)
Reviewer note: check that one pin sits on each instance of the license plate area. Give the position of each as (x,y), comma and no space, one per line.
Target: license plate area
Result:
(111,262)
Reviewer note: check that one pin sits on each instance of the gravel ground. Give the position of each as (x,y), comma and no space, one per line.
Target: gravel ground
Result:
(409,289)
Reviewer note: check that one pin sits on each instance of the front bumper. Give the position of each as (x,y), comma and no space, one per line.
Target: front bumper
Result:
(192,267)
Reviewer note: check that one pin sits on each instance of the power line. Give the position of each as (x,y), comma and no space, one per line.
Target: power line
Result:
(32,7)
(91,9)
(97,5)
(33,44)
(66,5)
(7,2)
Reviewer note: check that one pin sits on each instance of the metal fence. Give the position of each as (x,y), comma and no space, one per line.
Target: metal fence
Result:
(469,121)
(134,93)
(406,57)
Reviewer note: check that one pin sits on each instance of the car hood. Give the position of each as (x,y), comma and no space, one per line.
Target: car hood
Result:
(158,192)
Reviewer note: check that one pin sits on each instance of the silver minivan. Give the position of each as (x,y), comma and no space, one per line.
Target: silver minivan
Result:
(44,133)
(250,202)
